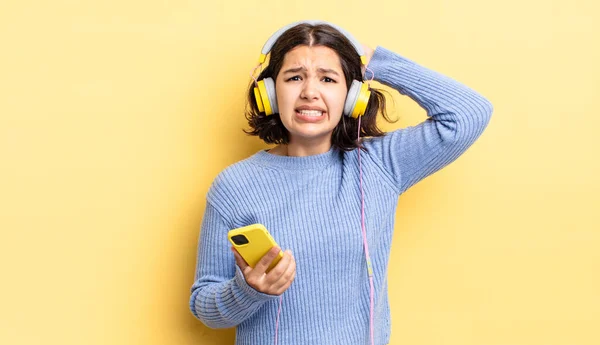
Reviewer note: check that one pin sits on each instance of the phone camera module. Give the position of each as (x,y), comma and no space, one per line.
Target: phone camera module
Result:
(239,239)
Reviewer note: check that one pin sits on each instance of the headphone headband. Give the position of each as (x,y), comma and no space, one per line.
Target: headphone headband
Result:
(271,41)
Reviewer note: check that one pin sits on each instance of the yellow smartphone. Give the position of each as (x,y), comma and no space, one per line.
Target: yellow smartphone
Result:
(253,242)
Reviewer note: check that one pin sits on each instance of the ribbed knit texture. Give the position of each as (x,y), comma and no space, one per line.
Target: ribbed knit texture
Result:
(311,205)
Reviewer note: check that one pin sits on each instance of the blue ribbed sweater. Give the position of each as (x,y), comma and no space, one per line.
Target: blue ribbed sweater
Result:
(311,205)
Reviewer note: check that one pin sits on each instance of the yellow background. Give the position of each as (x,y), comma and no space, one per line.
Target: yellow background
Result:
(115,116)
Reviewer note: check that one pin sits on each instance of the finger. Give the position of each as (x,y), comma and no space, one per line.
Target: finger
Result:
(285,286)
(287,277)
(264,263)
(279,269)
(239,260)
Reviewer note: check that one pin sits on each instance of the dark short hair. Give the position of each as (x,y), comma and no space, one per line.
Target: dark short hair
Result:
(270,128)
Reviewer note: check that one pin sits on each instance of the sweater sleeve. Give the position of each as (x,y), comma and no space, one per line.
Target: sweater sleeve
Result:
(220,296)
(457,115)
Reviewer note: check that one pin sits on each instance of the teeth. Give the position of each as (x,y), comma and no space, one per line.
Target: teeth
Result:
(311,112)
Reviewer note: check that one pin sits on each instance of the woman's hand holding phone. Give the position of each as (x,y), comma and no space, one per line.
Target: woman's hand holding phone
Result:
(274,282)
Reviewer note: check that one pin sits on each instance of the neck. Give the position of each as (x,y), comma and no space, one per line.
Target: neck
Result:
(298,148)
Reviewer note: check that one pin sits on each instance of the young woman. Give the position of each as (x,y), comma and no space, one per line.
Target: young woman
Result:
(329,202)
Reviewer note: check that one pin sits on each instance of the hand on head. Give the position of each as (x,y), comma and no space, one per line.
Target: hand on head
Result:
(368,53)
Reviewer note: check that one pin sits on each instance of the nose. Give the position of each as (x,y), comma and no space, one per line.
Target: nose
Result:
(310,89)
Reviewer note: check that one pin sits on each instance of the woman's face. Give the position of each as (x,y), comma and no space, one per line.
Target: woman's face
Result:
(311,91)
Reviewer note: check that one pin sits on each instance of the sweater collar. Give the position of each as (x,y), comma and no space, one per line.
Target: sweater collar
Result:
(297,163)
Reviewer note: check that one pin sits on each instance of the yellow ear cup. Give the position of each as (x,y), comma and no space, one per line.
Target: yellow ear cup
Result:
(362,101)
(262,98)
(259,103)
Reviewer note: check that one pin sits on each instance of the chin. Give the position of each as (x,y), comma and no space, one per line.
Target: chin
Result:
(312,135)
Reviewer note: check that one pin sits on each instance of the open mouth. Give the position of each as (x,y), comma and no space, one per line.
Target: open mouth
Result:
(310,113)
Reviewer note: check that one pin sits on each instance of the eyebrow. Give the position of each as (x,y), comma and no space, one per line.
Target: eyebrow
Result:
(322,70)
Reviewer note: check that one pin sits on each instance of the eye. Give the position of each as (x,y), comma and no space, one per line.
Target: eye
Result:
(294,78)
(328,80)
